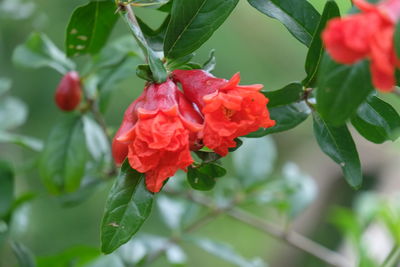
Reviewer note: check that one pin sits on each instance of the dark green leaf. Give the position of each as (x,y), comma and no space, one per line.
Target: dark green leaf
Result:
(62,163)
(397,39)
(286,117)
(179,62)
(289,94)
(128,206)
(154,38)
(38,51)
(90,27)
(316,51)
(377,121)
(144,72)
(299,16)
(238,142)
(210,64)
(192,23)
(207,157)
(338,144)
(203,177)
(157,67)
(24,255)
(21,140)
(341,89)
(13,113)
(6,188)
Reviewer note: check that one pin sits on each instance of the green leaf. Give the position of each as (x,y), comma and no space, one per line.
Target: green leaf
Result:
(157,67)
(172,211)
(316,51)
(341,89)
(6,188)
(89,28)
(298,16)
(144,72)
(24,255)
(192,23)
(255,160)
(397,39)
(377,121)
(75,256)
(21,140)
(96,139)
(154,38)
(5,85)
(62,163)
(338,144)
(286,117)
(203,177)
(210,64)
(225,252)
(287,95)
(128,206)
(13,113)
(38,51)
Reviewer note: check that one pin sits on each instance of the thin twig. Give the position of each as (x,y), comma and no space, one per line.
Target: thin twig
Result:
(292,238)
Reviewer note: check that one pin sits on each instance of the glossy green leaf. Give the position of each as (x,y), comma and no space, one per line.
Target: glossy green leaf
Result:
(316,51)
(128,206)
(298,16)
(5,85)
(6,188)
(39,51)
(338,144)
(227,253)
(397,39)
(154,38)
(21,140)
(204,177)
(377,121)
(192,23)
(13,113)
(24,256)
(286,117)
(89,27)
(289,94)
(341,89)
(62,163)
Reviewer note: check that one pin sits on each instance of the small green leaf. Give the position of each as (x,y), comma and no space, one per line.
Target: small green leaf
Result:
(338,144)
(289,94)
(89,27)
(21,140)
(203,177)
(157,67)
(62,163)
(286,117)
(192,23)
(210,64)
(341,89)
(316,51)
(24,256)
(377,121)
(128,206)
(177,63)
(13,113)
(38,51)
(144,72)
(298,16)
(6,188)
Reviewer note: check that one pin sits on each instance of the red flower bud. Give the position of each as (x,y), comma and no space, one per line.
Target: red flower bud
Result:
(157,132)
(69,93)
(367,35)
(229,110)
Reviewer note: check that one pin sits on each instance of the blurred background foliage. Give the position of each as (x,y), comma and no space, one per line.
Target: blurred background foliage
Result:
(293,174)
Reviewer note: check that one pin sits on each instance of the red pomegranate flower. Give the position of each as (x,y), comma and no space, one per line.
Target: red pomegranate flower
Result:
(69,92)
(367,35)
(229,110)
(157,132)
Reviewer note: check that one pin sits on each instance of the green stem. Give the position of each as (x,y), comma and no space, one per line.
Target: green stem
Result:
(393,258)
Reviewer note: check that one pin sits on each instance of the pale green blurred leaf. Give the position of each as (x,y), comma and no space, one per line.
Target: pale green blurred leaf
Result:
(13,113)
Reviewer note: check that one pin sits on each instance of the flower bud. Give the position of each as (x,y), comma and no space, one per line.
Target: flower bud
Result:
(69,93)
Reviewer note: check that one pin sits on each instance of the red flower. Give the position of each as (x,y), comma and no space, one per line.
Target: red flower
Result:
(229,110)
(157,132)
(69,93)
(367,35)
